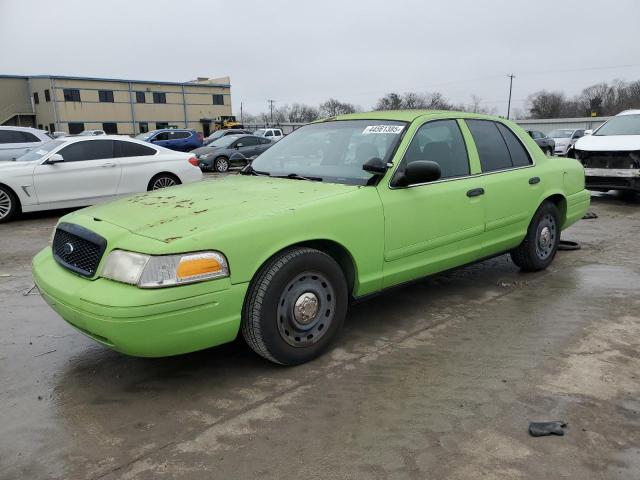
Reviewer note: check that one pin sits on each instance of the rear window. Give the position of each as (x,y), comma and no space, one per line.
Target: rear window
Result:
(123,148)
(492,148)
(519,156)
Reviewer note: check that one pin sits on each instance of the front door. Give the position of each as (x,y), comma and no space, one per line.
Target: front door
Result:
(433,226)
(88,174)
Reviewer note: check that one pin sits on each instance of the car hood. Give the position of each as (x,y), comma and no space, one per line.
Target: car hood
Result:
(186,210)
(10,165)
(613,143)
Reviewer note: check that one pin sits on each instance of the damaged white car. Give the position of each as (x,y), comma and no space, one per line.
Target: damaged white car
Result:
(611,154)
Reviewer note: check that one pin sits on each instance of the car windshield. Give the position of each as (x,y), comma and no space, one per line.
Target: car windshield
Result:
(224,141)
(39,152)
(332,151)
(621,125)
(260,132)
(214,136)
(560,133)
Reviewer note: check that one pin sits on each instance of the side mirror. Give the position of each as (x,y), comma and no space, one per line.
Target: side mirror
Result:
(421,171)
(238,145)
(588,132)
(55,158)
(376,166)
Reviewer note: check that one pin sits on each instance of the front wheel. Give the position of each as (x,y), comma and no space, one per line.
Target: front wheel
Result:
(295,306)
(221,164)
(549,152)
(8,204)
(539,247)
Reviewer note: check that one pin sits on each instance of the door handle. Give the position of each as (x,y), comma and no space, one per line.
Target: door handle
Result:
(108,165)
(475,192)
(534,180)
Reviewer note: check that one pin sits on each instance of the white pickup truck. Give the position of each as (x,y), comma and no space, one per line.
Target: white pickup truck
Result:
(273,134)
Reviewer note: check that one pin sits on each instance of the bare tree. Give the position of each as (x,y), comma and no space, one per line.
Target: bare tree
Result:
(544,104)
(333,107)
(301,113)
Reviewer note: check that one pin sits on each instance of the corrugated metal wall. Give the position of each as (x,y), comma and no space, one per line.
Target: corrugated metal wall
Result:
(547,124)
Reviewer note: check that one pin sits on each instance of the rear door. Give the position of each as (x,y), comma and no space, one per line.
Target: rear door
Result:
(179,140)
(88,174)
(438,225)
(138,163)
(509,183)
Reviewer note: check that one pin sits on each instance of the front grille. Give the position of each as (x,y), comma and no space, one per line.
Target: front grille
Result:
(615,160)
(78,249)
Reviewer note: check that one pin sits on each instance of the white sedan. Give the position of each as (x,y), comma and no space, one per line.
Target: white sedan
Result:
(82,171)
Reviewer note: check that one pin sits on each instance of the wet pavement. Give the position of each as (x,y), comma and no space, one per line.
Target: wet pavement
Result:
(434,380)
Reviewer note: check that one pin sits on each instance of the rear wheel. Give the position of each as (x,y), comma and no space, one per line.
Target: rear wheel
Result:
(163,180)
(540,245)
(221,164)
(295,306)
(8,204)
(549,151)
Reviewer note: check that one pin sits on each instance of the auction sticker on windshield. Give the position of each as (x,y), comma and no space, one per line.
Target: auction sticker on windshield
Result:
(396,129)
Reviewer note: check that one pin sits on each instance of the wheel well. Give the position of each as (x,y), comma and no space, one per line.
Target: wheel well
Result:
(561,203)
(173,175)
(14,194)
(340,254)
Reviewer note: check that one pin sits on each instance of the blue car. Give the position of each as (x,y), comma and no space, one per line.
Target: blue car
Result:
(182,140)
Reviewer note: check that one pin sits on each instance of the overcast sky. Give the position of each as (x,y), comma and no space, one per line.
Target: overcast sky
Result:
(310,50)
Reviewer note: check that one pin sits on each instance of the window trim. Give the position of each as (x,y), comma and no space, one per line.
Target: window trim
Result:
(471,175)
(108,94)
(164,96)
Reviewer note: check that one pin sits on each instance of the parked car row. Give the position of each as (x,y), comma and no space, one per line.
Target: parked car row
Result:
(230,150)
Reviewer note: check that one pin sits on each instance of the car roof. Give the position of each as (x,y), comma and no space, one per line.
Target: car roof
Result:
(21,129)
(629,112)
(93,138)
(410,115)
(172,130)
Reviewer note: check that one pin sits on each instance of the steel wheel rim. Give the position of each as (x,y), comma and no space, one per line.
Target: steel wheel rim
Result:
(163,182)
(5,204)
(222,165)
(306,309)
(546,235)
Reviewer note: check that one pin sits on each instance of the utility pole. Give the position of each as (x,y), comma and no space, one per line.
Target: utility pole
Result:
(271,108)
(241,118)
(511,77)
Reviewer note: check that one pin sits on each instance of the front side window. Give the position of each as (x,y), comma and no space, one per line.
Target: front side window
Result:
(332,151)
(110,128)
(491,147)
(179,134)
(269,134)
(162,136)
(440,141)
(122,148)
(76,127)
(71,95)
(87,150)
(620,125)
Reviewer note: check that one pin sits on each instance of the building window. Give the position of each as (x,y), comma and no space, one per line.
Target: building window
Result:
(110,128)
(40,127)
(52,127)
(47,95)
(106,96)
(218,99)
(71,95)
(140,97)
(161,125)
(159,97)
(143,126)
(36,99)
(76,127)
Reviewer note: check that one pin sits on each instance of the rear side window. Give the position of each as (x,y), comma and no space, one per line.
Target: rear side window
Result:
(519,156)
(87,150)
(15,136)
(492,148)
(440,141)
(122,148)
(178,135)
(248,141)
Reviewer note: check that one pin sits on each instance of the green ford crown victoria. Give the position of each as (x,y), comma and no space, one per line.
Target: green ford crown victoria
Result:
(336,211)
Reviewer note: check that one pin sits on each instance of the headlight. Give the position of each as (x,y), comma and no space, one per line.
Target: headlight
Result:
(155,271)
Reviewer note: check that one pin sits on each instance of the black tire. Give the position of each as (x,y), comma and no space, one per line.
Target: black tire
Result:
(221,164)
(549,152)
(9,204)
(275,321)
(163,180)
(537,250)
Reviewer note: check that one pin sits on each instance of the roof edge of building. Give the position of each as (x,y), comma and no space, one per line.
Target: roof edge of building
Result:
(123,80)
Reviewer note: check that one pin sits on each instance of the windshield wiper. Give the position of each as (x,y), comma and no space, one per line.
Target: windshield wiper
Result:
(249,170)
(295,176)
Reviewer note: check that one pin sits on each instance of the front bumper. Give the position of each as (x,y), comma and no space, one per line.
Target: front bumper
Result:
(142,322)
(612,178)
(561,149)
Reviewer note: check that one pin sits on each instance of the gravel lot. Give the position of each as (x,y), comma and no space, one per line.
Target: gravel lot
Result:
(434,380)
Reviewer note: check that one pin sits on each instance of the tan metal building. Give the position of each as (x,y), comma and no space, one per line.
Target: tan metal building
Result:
(74,104)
